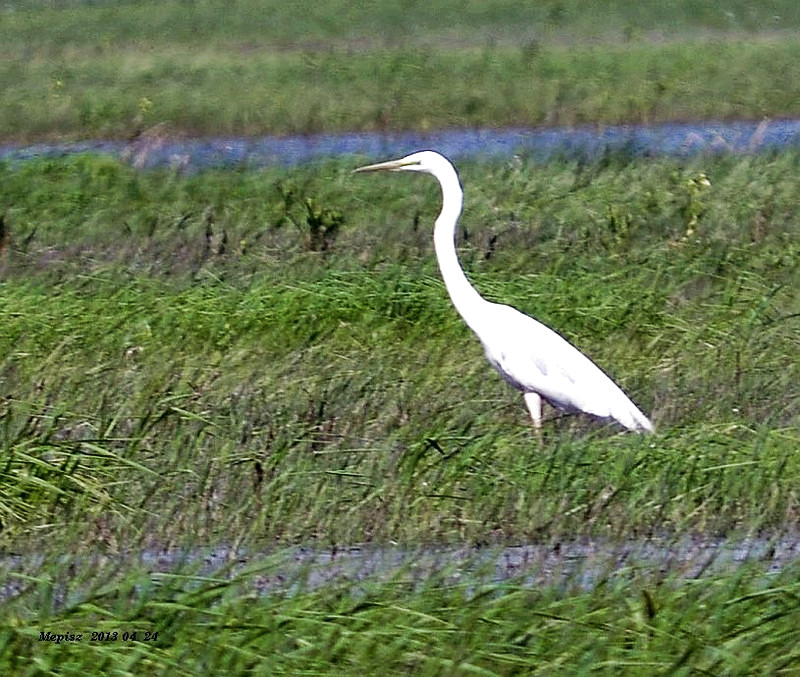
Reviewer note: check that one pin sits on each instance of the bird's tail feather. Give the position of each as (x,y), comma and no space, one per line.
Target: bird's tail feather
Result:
(635,420)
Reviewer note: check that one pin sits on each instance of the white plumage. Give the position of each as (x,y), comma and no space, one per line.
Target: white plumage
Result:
(530,356)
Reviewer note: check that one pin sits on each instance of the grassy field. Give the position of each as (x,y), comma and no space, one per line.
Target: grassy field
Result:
(263,359)
(636,624)
(67,23)
(117,69)
(266,359)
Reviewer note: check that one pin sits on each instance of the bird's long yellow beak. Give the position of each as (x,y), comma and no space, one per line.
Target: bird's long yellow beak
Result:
(392,165)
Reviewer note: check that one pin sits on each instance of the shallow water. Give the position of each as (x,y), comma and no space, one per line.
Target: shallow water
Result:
(580,564)
(570,565)
(676,139)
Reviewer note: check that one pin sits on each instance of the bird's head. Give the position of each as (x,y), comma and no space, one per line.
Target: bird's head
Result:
(426,161)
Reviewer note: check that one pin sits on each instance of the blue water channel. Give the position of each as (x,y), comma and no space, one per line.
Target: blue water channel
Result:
(152,150)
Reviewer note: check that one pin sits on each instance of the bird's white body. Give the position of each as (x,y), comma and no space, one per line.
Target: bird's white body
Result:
(530,356)
(563,376)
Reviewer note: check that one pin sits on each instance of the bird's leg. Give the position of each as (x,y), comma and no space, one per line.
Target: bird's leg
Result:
(534,403)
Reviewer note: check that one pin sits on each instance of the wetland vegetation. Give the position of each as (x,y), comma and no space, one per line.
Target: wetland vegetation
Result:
(267,358)
(77,69)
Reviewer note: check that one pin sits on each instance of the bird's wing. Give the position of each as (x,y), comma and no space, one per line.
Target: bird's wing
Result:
(533,357)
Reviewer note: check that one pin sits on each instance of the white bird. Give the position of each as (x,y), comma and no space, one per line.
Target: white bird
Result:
(529,355)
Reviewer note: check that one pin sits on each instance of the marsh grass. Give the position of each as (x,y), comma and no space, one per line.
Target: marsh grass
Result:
(163,391)
(251,360)
(103,25)
(189,68)
(631,623)
(290,394)
(218,93)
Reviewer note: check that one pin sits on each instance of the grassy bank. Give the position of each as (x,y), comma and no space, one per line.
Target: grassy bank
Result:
(264,358)
(290,364)
(117,70)
(633,623)
(70,24)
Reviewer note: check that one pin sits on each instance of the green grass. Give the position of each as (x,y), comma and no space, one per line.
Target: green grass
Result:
(195,348)
(187,68)
(635,622)
(266,358)
(281,26)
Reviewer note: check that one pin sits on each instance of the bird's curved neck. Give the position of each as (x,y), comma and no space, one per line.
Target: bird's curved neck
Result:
(464,296)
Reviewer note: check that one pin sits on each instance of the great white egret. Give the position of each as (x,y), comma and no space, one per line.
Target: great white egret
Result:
(530,356)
